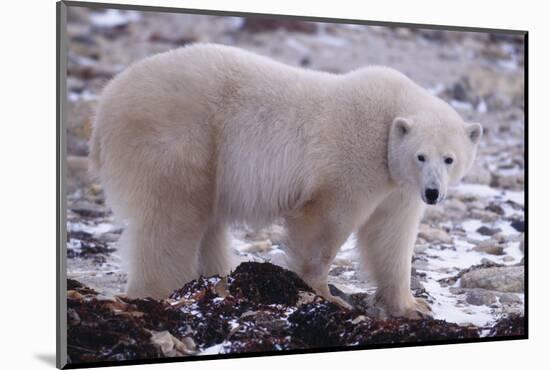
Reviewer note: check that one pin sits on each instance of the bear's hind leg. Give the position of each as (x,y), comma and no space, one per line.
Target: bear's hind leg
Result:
(216,256)
(162,256)
(386,244)
(162,240)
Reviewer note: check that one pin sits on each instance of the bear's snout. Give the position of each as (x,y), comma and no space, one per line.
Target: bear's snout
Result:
(432,195)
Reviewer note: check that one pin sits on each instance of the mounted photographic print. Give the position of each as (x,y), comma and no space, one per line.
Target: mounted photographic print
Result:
(235,184)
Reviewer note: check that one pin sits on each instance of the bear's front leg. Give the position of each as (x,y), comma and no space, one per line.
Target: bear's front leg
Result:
(315,234)
(386,242)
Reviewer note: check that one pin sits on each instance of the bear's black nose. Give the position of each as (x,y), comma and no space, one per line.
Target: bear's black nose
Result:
(432,195)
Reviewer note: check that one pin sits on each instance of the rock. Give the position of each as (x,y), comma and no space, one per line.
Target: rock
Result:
(258,247)
(258,24)
(456,206)
(172,346)
(493,249)
(485,216)
(456,290)
(487,262)
(501,237)
(420,248)
(421,265)
(486,243)
(508,259)
(478,175)
(459,91)
(110,237)
(87,209)
(79,127)
(513,182)
(480,297)
(509,326)
(274,234)
(509,298)
(77,173)
(176,40)
(519,225)
(503,279)
(416,284)
(495,208)
(486,231)
(434,213)
(434,235)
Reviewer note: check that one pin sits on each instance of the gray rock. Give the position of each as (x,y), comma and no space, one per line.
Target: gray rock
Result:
(456,206)
(513,182)
(495,208)
(416,284)
(420,248)
(485,216)
(487,231)
(495,250)
(456,290)
(519,225)
(87,209)
(509,298)
(502,279)
(480,297)
(109,237)
(490,247)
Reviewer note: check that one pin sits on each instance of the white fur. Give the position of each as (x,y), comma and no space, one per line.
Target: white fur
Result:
(188,142)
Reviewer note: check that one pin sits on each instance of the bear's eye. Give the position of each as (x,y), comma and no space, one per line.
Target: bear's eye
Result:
(421,158)
(448,160)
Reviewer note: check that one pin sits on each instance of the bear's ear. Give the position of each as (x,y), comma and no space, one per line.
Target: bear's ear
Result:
(401,126)
(474,130)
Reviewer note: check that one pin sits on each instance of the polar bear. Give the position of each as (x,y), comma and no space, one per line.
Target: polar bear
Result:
(192,140)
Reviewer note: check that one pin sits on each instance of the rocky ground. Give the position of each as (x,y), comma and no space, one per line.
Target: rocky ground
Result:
(469,256)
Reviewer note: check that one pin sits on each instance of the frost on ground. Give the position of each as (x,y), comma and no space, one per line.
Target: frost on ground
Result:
(469,255)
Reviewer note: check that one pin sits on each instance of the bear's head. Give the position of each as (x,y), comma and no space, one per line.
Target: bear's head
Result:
(427,151)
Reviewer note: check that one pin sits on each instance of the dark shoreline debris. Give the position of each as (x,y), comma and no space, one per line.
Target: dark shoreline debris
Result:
(258,307)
